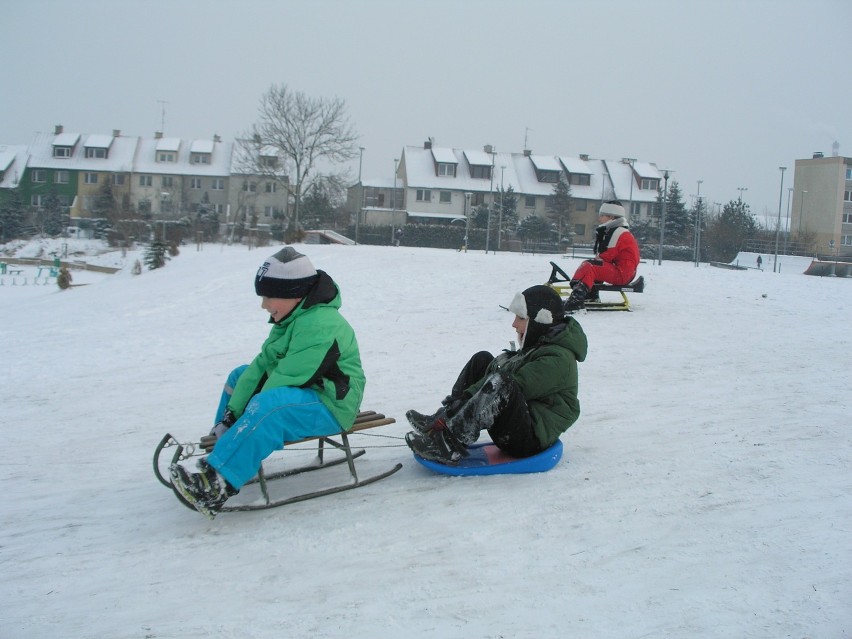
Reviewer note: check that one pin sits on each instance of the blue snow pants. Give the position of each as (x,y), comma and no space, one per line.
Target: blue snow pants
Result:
(270,419)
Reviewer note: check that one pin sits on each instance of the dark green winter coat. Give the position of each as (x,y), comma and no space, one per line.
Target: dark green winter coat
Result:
(547,376)
(313,347)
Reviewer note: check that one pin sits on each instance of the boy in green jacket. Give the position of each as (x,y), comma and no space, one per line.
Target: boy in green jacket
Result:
(306,381)
(525,399)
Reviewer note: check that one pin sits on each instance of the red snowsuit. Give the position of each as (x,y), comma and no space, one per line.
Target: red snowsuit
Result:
(618,257)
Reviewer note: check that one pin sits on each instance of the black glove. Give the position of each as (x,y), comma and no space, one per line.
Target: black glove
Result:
(224,424)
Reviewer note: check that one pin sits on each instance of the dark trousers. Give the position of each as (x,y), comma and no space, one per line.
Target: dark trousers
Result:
(498,407)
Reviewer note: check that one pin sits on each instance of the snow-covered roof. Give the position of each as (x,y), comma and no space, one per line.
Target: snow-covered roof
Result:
(66,139)
(575,165)
(220,161)
(13,160)
(478,158)
(98,141)
(545,163)
(622,176)
(168,144)
(202,146)
(444,156)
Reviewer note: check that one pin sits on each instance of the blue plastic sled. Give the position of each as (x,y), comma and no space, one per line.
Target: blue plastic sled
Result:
(487,459)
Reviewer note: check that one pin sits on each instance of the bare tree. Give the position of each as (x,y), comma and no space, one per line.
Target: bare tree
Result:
(303,131)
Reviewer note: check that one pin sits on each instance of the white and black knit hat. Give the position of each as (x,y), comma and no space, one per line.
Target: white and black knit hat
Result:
(286,275)
(543,306)
(613,209)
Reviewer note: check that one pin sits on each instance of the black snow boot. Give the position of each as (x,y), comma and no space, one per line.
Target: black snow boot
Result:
(423,424)
(437,445)
(204,488)
(577,299)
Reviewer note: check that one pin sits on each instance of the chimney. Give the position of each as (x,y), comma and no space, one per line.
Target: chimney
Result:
(158,135)
(216,138)
(488,148)
(835,149)
(427,144)
(527,153)
(116,133)
(817,154)
(584,156)
(57,129)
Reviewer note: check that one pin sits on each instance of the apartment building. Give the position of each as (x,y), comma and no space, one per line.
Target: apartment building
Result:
(433,182)
(821,204)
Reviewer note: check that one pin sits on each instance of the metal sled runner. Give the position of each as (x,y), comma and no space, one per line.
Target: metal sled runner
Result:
(561,283)
(170,451)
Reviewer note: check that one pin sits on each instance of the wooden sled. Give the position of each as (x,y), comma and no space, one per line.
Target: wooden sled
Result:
(561,283)
(330,443)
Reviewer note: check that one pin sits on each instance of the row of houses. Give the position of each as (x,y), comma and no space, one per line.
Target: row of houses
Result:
(433,184)
(163,177)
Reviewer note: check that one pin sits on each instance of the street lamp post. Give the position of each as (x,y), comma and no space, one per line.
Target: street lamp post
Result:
(467,219)
(630,162)
(778,227)
(393,201)
(698,224)
(741,189)
(500,215)
(491,203)
(666,173)
(787,220)
(801,207)
(361,189)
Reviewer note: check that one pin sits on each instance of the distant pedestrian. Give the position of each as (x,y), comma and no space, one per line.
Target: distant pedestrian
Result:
(397,236)
(759,262)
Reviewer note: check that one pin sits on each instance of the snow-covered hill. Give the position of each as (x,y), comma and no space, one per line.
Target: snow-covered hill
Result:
(705,490)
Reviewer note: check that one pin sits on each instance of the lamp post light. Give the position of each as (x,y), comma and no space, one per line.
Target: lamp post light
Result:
(467,219)
(666,173)
(698,224)
(778,227)
(741,189)
(362,195)
(801,207)
(787,220)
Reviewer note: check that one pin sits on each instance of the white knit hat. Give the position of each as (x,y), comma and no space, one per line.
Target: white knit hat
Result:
(612,209)
(286,275)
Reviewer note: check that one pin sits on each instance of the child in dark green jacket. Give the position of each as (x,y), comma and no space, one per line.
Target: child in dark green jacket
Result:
(525,399)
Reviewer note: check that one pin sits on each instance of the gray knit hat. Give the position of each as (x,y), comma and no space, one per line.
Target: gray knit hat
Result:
(286,275)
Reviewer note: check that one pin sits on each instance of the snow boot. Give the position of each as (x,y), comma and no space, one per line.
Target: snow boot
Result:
(204,488)
(577,299)
(424,424)
(437,445)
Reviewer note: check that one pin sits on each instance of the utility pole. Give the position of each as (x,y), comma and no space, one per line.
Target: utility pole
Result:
(775,268)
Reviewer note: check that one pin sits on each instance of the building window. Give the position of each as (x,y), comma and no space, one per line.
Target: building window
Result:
(118,179)
(529,201)
(483,172)
(267,211)
(580,179)
(446,197)
(144,206)
(846,240)
(444,168)
(268,161)
(849,173)
(580,205)
(847,218)
(424,195)
(477,198)
(580,229)
(145,180)
(635,209)
(218,184)
(199,158)
(35,200)
(550,177)
(168,181)
(94,152)
(90,178)
(38,175)
(847,196)
(60,177)
(250,186)
(195,183)
(62,151)
(270,187)
(166,156)
(650,184)
(219,208)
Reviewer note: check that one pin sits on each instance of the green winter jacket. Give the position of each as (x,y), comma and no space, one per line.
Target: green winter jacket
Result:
(547,376)
(313,347)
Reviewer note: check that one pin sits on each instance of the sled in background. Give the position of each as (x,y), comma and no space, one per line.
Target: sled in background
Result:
(337,444)
(487,459)
(560,281)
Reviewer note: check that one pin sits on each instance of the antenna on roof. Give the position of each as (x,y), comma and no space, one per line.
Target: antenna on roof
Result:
(163,115)
(526,135)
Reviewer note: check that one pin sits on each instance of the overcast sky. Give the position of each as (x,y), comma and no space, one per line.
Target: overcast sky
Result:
(719,91)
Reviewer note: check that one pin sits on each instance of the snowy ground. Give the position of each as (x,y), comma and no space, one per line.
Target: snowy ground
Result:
(705,490)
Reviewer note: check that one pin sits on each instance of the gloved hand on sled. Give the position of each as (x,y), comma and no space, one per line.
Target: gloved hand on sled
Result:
(223,425)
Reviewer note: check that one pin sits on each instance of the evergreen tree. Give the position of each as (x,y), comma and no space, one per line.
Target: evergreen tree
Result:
(53,220)
(535,230)
(559,206)
(156,254)
(507,209)
(12,216)
(105,210)
(317,208)
(726,233)
(479,216)
(679,221)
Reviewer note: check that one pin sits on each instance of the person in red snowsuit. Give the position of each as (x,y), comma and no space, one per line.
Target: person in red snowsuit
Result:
(617,256)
